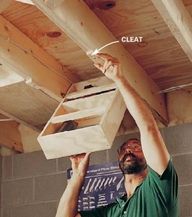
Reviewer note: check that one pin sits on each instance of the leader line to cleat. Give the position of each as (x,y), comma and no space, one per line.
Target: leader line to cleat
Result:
(96,51)
(124,39)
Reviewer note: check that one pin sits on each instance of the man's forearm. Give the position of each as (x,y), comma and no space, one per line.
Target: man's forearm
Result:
(153,145)
(68,202)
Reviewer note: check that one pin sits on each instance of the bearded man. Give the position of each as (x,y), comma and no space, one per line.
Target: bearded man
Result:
(150,179)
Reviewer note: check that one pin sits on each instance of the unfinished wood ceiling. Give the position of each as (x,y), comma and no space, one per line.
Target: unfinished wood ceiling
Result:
(160,54)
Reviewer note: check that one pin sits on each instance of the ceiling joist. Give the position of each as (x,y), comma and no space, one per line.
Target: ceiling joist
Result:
(26,1)
(10,136)
(179,21)
(26,105)
(37,67)
(8,77)
(179,106)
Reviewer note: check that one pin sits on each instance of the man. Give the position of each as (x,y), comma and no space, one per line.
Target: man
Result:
(150,180)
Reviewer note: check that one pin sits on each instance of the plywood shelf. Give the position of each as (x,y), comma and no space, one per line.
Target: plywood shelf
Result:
(63,126)
(88,102)
(90,91)
(94,112)
(85,123)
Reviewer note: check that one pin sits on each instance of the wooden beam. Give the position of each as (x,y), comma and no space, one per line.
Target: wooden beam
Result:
(29,139)
(52,3)
(179,21)
(179,105)
(84,27)
(26,104)
(24,57)
(7,77)
(4,4)
(11,116)
(10,136)
(128,125)
(26,1)
(3,117)
(17,137)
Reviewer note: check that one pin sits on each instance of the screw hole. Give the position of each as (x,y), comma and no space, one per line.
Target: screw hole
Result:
(105,5)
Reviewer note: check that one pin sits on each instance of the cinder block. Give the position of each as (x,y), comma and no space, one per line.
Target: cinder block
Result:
(185,198)
(32,164)
(36,210)
(99,157)
(64,163)
(6,211)
(182,165)
(17,192)
(50,187)
(178,139)
(7,168)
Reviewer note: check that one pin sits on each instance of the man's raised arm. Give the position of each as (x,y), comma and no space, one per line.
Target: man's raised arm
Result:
(153,146)
(68,202)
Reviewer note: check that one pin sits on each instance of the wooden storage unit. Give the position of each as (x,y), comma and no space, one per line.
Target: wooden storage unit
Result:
(87,119)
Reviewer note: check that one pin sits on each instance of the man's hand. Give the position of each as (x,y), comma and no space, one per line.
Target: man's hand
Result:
(110,67)
(69,200)
(80,164)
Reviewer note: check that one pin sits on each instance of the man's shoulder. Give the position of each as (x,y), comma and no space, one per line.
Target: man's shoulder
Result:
(168,173)
(165,184)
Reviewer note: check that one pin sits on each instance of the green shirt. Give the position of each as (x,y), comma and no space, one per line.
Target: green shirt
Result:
(156,196)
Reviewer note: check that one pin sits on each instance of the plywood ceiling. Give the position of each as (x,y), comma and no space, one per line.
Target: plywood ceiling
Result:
(160,54)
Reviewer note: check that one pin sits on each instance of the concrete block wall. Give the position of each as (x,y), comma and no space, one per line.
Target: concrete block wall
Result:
(32,186)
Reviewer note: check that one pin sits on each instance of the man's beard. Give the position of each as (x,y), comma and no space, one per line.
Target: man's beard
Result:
(133,166)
